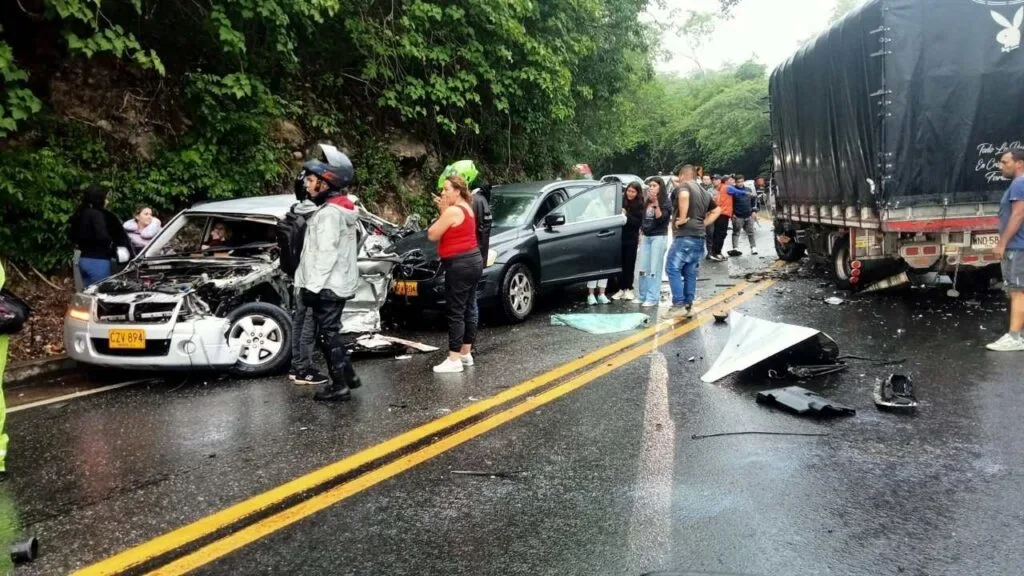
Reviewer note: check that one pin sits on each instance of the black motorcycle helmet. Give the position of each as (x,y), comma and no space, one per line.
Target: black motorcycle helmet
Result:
(337,175)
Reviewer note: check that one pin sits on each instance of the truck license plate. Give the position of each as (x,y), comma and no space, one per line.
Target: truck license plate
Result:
(407,288)
(984,241)
(127,339)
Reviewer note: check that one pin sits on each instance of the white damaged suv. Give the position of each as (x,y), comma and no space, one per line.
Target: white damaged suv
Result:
(208,293)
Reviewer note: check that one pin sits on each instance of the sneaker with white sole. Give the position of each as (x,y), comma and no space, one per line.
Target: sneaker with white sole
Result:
(467,359)
(630,295)
(602,299)
(753,251)
(649,305)
(1008,343)
(449,366)
(310,378)
(677,311)
(591,300)
(619,295)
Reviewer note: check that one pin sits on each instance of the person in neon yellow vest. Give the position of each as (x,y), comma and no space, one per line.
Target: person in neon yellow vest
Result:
(3,404)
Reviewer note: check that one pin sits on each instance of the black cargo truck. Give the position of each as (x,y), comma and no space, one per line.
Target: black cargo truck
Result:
(887,134)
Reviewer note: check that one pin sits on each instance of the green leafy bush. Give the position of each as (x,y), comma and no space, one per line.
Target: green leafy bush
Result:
(198,90)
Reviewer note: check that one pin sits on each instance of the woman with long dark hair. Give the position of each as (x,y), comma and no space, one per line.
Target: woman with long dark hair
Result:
(455,234)
(654,243)
(633,208)
(97,234)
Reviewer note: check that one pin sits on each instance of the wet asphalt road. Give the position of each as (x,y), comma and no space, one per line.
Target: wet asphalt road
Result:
(604,480)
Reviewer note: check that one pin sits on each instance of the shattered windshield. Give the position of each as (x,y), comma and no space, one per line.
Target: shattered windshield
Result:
(509,210)
(218,236)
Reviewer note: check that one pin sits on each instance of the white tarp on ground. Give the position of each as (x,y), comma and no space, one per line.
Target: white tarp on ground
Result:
(752,340)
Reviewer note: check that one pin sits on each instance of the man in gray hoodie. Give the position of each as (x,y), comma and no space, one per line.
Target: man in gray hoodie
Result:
(328,271)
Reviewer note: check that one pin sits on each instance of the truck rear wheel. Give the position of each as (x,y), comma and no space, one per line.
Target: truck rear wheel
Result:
(842,268)
(790,251)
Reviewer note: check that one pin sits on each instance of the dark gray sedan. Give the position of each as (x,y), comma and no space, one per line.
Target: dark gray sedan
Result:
(545,235)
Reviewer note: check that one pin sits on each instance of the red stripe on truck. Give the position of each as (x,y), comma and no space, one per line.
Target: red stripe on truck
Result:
(948,224)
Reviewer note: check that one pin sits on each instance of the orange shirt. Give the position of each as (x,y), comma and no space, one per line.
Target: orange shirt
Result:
(724,200)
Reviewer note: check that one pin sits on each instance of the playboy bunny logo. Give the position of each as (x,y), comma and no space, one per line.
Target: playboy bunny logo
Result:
(1009,37)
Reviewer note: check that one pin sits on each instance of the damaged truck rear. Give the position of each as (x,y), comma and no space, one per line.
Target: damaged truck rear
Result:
(887,133)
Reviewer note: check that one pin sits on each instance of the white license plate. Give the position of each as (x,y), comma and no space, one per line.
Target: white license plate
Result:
(984,241)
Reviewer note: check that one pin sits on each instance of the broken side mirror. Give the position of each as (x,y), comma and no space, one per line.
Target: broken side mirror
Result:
(554,219)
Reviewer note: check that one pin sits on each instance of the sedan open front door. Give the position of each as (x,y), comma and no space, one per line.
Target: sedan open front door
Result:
(581,239)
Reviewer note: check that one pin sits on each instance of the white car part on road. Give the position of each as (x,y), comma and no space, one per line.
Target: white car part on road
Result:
(751,341)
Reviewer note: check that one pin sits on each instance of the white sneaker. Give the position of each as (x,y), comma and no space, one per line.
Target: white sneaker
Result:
(591,300)
(449,366)
(619,295)
(467,359)
(1008,343)
(630,296)
(753,251)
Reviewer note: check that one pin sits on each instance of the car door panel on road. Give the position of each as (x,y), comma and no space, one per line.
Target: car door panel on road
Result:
(588,245)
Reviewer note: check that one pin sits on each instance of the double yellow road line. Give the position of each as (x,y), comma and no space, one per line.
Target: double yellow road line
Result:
(272,510)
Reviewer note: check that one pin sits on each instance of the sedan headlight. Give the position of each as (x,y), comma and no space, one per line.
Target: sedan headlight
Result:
(80,307)
(492,257)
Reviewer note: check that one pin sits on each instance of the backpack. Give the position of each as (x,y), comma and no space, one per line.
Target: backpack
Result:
(14,312)
(291,234)
(484,219)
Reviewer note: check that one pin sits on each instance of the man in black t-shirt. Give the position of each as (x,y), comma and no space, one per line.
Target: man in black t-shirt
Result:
(695,210)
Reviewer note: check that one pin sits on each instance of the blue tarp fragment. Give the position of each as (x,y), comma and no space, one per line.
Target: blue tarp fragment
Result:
(601,323)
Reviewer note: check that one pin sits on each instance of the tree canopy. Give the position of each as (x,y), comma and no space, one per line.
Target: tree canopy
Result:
(172,101)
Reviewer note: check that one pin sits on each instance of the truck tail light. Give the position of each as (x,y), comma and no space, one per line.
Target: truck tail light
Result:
(920,251)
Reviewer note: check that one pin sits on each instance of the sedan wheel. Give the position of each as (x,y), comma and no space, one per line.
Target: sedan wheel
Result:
(259,338)
(518,293)
(262,334)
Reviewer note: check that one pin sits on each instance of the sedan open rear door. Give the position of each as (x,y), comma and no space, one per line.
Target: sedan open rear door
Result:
(582,239)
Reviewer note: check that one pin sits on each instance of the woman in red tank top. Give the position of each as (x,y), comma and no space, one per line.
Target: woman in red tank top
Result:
(455,233)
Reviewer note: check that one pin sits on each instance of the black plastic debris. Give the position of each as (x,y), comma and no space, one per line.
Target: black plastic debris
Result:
(720,317)
(25,550)
(895,393)
(803,402)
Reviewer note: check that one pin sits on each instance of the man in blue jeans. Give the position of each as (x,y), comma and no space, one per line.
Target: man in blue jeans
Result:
(1010,250)
(695,210)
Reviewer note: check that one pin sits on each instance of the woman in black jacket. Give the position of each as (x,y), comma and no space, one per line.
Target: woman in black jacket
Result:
(97,233)
(633,208)
(654,242)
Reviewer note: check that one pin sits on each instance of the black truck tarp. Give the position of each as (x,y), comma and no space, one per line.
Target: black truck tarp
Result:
(920,96)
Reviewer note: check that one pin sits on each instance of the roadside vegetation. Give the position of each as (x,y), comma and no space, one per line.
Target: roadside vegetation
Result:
(170,102)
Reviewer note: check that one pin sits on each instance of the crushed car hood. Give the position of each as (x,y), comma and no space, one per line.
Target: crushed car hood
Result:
(182,276)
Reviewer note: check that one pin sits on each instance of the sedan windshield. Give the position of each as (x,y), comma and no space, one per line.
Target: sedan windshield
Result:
(510,210)
(203,235)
